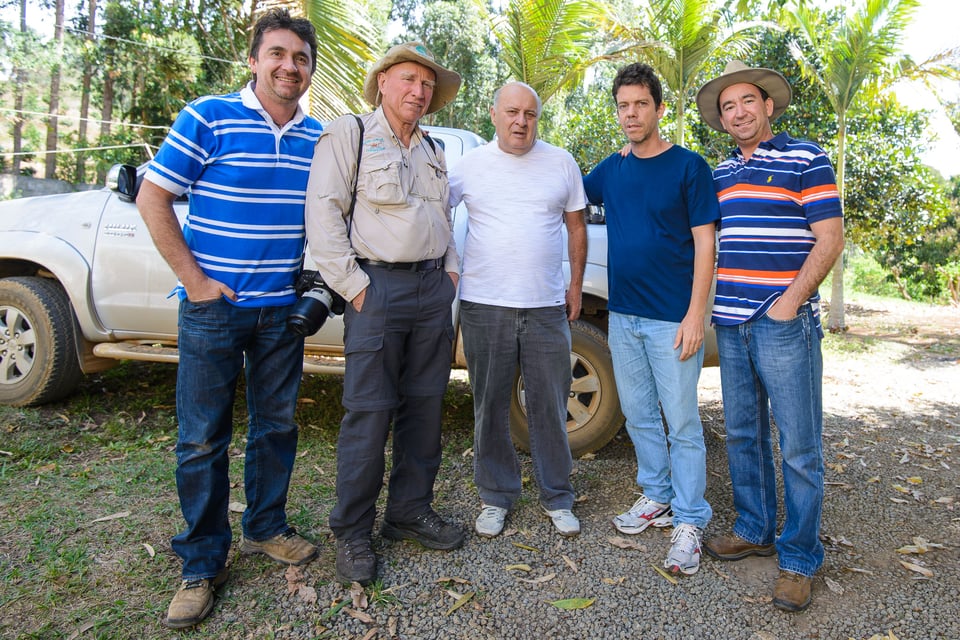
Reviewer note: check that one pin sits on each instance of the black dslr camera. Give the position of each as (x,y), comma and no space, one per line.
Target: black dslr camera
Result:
(317,303)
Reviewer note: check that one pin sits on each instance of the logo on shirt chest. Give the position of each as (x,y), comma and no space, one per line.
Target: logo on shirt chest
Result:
(374,145)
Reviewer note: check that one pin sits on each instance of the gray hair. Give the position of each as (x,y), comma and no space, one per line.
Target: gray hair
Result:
(496,94)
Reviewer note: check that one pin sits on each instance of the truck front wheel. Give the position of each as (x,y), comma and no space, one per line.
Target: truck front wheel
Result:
(38,356)
(593,408)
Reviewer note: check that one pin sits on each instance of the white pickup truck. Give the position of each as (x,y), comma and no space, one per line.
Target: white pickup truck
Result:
(82,287)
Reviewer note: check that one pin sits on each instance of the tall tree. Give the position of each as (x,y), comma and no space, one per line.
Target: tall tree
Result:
(843,56)
(21,74)
(53,110)
(547,43)
(89,27)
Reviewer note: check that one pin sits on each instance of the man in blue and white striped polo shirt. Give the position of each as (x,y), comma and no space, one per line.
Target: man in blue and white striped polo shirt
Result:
(245,159)
(781,230)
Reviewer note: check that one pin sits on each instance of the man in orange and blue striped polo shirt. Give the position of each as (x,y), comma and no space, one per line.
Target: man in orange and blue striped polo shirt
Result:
(781,230)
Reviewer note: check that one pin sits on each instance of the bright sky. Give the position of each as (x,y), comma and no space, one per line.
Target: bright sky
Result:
(934,29)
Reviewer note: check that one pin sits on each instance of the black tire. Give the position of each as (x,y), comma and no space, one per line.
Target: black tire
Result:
(593,410)
(38,354)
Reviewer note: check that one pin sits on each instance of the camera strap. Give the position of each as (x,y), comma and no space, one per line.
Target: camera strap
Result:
(356,176)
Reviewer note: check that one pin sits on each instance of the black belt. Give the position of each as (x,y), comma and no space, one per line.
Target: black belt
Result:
(423,265)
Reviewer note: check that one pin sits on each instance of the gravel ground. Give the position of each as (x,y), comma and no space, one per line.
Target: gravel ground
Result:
(892,433)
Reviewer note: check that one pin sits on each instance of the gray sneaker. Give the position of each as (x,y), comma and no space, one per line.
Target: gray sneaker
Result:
(564,521)
(490,521)
(684,556)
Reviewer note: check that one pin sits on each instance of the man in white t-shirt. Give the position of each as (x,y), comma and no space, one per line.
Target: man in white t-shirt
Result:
(514,308)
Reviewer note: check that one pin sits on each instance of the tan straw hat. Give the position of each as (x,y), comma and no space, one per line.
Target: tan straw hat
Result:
(448,82)
(736,72)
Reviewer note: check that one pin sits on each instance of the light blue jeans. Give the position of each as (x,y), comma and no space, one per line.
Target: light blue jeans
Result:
(651,376)
(769,365)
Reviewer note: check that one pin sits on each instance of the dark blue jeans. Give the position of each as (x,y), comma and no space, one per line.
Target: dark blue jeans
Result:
(775,366)
(496,340)
(398,351)
(218,340)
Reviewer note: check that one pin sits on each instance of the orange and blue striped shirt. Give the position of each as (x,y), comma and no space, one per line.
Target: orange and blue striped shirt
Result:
(767,204)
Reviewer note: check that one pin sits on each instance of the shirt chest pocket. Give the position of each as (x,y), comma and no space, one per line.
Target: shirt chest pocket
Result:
(431,182)
(381,185)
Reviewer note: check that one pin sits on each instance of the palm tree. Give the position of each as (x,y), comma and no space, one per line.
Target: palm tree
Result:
(844,57)
(547,43)
(679,39)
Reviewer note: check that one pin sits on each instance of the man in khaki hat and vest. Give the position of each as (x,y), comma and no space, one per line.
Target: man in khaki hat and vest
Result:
(395,262)
(781,230)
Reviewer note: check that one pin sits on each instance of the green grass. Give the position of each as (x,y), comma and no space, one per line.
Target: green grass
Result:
(110,449)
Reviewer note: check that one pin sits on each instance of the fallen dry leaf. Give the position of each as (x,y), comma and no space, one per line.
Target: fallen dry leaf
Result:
(359,615)
(371,634)
(358,596)
(570,563)
(614,581)
(453,579)
(920,546)
(917,568)
(462,600)
(527,547)
(237,507)
(624,543)
(833,585)
(663,572)
(113,516)
(518,567)
(307,594)
(573,603)
(540,580)
(150,551)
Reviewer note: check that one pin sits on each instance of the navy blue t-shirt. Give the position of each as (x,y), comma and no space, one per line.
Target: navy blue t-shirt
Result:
(651,204)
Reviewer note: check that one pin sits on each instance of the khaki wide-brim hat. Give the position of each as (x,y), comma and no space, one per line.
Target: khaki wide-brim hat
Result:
(448,82)
(736,72)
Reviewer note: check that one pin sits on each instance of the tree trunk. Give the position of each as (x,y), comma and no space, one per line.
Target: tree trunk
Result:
(836,321)
(55,74)
(106,116)
(21,75)
(80,173)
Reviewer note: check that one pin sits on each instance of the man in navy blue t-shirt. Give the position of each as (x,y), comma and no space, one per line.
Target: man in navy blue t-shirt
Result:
(661,210)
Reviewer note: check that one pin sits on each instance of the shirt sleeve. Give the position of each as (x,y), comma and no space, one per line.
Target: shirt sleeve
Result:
(184,153)
(819,193)
(703,206)
(329,193)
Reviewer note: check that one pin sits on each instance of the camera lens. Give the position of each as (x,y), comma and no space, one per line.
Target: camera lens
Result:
(310,312)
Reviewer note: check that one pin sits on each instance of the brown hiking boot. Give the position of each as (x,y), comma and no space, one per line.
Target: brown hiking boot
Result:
(287,547)
(193,602)
(792,592)
(733,547)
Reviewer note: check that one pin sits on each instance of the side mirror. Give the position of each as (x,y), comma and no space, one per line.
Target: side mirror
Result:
(122,178)
(596,214)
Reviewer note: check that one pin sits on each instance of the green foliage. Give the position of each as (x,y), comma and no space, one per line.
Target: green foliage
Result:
(459,37)
(590,130)
(869,276)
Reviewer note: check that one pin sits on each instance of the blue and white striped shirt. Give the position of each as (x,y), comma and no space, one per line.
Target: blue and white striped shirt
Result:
(247,180)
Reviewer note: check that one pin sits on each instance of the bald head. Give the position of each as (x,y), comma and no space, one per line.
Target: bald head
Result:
(515,114)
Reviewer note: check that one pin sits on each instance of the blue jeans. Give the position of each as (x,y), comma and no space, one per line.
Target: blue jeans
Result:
(650,375)
(215,338)
(769,365)
(495,341)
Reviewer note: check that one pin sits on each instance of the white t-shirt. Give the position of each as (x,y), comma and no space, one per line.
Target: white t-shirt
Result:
(513,253)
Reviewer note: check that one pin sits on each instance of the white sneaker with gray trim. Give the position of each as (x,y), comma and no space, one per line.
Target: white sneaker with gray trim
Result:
(490,521)
(644,513)
(565,522)
(684,556)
